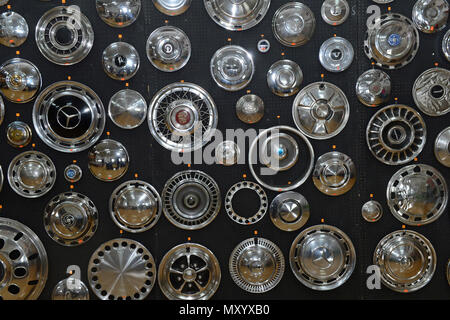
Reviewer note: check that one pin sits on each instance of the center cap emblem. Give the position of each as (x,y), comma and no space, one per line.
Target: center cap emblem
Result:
(68,117)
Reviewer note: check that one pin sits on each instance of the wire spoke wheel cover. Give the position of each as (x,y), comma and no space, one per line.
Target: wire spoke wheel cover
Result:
(191,199)
(406,259)
(396,134)
(182,117)
(23,262)
(189,272)
(417,194)
(122,269)
(322,257)
(257,265)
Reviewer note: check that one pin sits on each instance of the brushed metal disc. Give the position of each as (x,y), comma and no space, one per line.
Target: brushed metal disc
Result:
(336,54)
(417,194)
(335,12)
(70,219)
(108,160)
(250,109)
(120,61)
(442,147)
(18,134)
(70,289)
(121,269)
(322,257)
(13,29)
(372,211)
(256,265)
(118,13)
(284,78)
(127,109)
(373,88)
(189,272)
(172,7)
(406,259)
(289,211)
(430,16)
(23,262)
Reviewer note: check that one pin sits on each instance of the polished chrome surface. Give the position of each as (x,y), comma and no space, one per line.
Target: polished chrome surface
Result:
(20,80)
(293,24)
(448,272)
(442,147)
(431,92)
(250,109)
(280,151)
(182,117)
(322,257)
(168,48)
(31,174)
(284,78)
(127,109)
(335,12)
(334,174)
(232,67)
(289,211)
(118,13)
(227,153)
(321,110)
(135,206)
(1,178)
(70,219)
(70,289)
(372,211)
(191,199)
(232,212)
(73,173)
(373,88)
(13,29)
(406,259)
(189,272)
(64,35)
(18,134)
(336,54)
(108,160)
(256,265)
(121,269)
(120,61)
(393,42)
(430,16)
(172,7)
(23,262)
(417,194)
(237,15)
(396,134)
(446,45)
(284,155)
(2,110)
(69,116)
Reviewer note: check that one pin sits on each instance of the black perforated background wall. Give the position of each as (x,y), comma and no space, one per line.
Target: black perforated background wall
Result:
(152,162)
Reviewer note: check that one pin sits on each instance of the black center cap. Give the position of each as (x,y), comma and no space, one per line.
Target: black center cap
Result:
(68,117)
(336,54)
(64,36)
(120,61)
(437,91)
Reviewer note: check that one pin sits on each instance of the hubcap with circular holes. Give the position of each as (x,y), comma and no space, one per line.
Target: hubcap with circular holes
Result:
(189,272)
(121,269)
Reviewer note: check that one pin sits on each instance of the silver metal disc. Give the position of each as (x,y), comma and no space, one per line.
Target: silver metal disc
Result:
(335,12)
(442,147)
(70,219)
(237,15)
(31,174)
(372,211)
(336,54)
(417,195)
(191,200)
(1,178)
(69,116)
(64,35)
(250,109)
(118,13)
(396,134)
(373,88)
(2,110)
(73,173)
(23,262)
(108,160)
(322,257)
(70,289)
(18,134)
(430,16)
(232,68)
(189,272)
(135,206)
(121,269)
(279,152)
(256,265)
(321,110)
(289,211)
(120,61)
(168,48)
(431,92)
(20,80)
(227,153)
(406,259)
(446,45)
(13,29)
(172,7)
(182,117)
(127,109)
(293,24)
(284,78)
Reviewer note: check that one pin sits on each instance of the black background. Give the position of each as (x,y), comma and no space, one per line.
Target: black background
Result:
(152,162)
